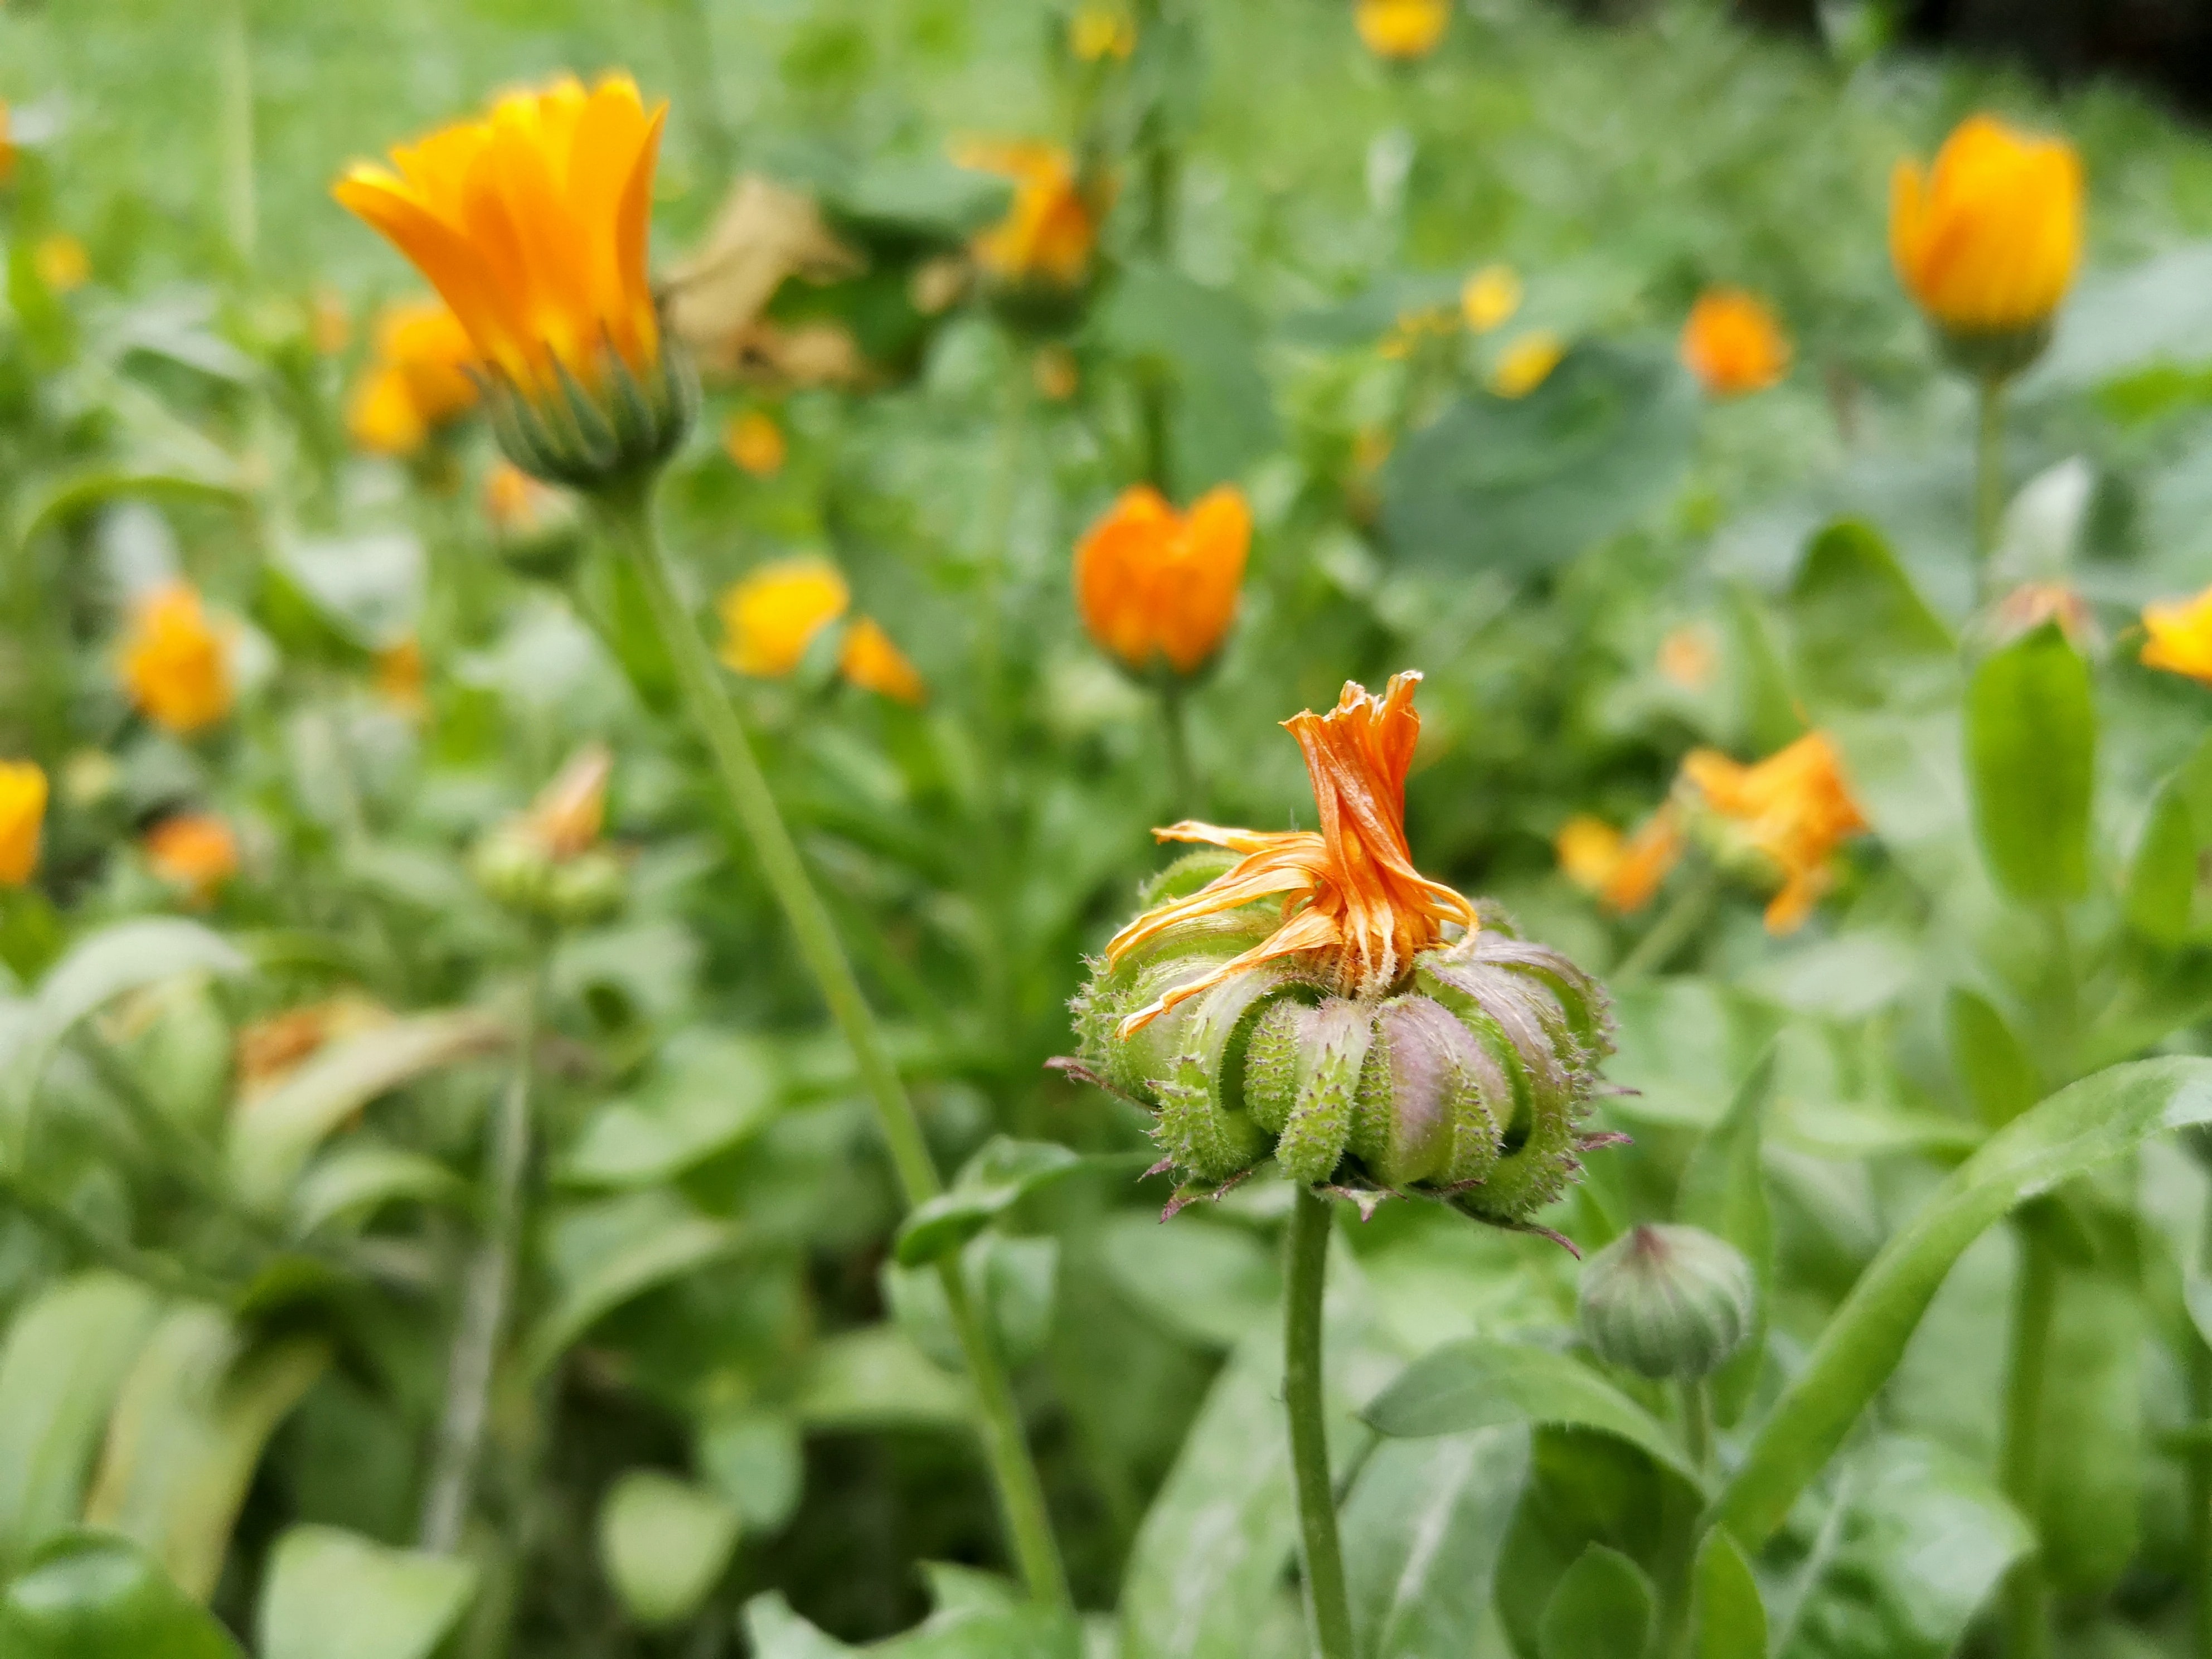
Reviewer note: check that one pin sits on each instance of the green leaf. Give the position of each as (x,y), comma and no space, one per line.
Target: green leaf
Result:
(1725,1191)
(2031,757)
(1681,1042)
(1479,1383)
(2001,1077)
(613,1253)
(2074,1132)
(2161,889)
(754,1459)
(876,1379)
(334,1594)
(1204,341)
(999,1177)
(80,492)
(711,1091)
(1213,1284)
(2090,1481)
(1422,1532)
(773,1631)
(368,587)
(664,1543)
(1602,1609)
(1863,637)
(67,1353)
(93,1596)
(358,1178)
(1727,1620)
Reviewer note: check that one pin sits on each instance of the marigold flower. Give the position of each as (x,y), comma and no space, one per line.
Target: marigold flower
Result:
(1986,242)
(417,381)
(1794,808)
(771,615)
(1733,343)
(195,851)
(22,813)
(1401,30)
(1589,851)
(2180,636)
(1623,871)
(1488,299)
(175,664)
(1527,363)
(1101,30)
(870,660)
(531,223)
(756,443)
(1051,230)
(62,262)
(1154,584)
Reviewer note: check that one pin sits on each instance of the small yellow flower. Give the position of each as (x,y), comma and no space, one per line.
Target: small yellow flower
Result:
(1527,363)
(756,443)
(870,660)
(62,262)
(175,664)
(1155,585)
(418,381)
(1589,851)
(2180,636)
(1488,299)
(1733,343)
(194,851)
(22,813)
(1401,30)
(1053,228)
(771,615)
(1687,658)
(1794,808)
(1101,30)
(1988,239)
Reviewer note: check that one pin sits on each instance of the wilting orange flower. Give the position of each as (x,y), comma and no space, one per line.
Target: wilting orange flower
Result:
(756,443)
(1154,584)
(1101,30)
(62,262)
(1527,363)
(2180,632)
(1354,908)
(531,223)
(771,615)
(1795,807)
(417,382)
(1401,29)
(870,660)
(22,813)
(1488,299)
(1624,871)
(1687,659)
(174,663)
(569,812)
(1733,343)
(195,851)
(1052,228)
(1987,241)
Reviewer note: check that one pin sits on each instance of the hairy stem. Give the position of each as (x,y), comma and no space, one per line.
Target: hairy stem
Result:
(2027,1596)
(1328,1604)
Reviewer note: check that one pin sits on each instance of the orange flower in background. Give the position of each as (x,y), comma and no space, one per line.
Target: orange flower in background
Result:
(7,145)
(22,814)
(1154,584)
(1055,373)
(1687,658)
(1589,851)
(870,660)
(1354,908)
(175,664)
(756,443)
(1527,363)
(1051,230)
(270,1049)
(1733,343)
(1986,241)
(195,851)
(62,262)
(417,382)
(399,676)
(2180,636)
(567,818)
(1795,808)
(1623,871)
(1401,30)
(771,615)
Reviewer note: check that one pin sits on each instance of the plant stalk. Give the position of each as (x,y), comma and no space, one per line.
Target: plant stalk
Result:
(1328,1604)
(1021,1495)
(1175,722)
(1698,1422)
(2199,1475)
(241,212)
(1677,924)
(2028,1595)
(1988,479)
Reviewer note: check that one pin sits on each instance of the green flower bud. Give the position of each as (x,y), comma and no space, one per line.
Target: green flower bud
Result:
(512,866)
(1668,1302)
(591,437)
(589,888)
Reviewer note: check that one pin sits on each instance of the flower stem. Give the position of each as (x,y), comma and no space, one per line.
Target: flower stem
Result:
(486,1297)
(2200,1474)
(1183,777)
(2027,1597)
(1988,479)
(1672,930)
(1323,1558)
(240,212)
(1021,1495)
(1697,1423)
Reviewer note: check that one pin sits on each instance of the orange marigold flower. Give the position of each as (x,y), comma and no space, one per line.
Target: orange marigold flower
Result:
(22,813)
(2180,636)
(771,615)
(1589,851)
(1624,871)
(1355,909)
(1733,343)
(1795,808)
(1154,584)
(756,443)
(1987,241)
(872,661)
(195,851)
(175,664)
(417,382)
(1053,228)
(1401,30)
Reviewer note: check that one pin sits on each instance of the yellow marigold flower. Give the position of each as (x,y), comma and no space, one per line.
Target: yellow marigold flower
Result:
(175,664)
(1795,808)
(1527,363)
(1733,343)
(22,813)
(1589,851)
(1401,30)
(1688,658)
(1354,908)
(1488,299)
(417,382)
(1153,584)
(1051,230)
(2180,636)
(756,443)
(62,262)
(870,660)
(1101,30)
(1986,242)
(771,615)
(195,851)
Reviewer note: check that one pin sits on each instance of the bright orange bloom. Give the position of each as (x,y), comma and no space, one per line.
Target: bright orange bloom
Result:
(1624,871)
(195,851)
(870,660)
(756,443)
(1354,908)
(1795,807)
(2180,640)
(771,615)
(531,223)
(1987,240)
(1154,584)
(1053,228)
(1733,343)
(569,812)
(417,382)
(1589,851)
(22,813)
(1401,30)
(175,664)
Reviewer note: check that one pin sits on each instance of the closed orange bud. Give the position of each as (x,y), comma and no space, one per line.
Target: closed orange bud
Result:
(175,664)
(22,813)
(1401,30)
(569,812)
(755,442)
(870,660)
(195,851)
(1154,585)
(1053,228)
(2180,636)
(771,615)
(1733,343)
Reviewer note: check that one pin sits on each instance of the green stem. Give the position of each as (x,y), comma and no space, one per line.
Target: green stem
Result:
(1322,1557)
(1698,1422)
(2200,1475)
(1988,479)
(1021,1495)
(2027,1596)
(240,212)
(1183,777)
(157,1272)
(1675,928)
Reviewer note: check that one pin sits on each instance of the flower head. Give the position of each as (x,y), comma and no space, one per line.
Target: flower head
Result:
(1793,810)
(1101,29)
(1051,230)
(22,813)
(1527,363)
(870,660)
(1624,871)
(175,664)
(1733,343)
(1401,30)
(570,811)
(1158,585)
(756,443)
(547,862)
(2179,636)
(1488,299)
(771,615)
(418,381)
(194,851)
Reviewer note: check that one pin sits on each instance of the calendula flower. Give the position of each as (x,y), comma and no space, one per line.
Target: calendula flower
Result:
(771,616)
(1623,871)
(1987,241)
(417,381)
(547,862)
(570,811)
(1099,30)
(1488,299)
(1401,30)
(756,443)
(22,813)
(1589,851)
(1527,363)
(1687,658)
(1051,230)
(1733,343)
(175,664)
(195,851)
(870,660)
(2179,636)
(62,262)
(1155,586)
(1793,809)
(531,223)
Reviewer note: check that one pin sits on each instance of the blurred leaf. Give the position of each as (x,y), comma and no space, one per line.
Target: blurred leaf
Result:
(358,1178)
(1602,1609)
(80,492)
(2159,312)
(1725,1191)
(1422,1530)
(663,1544)
(926,197)
(876,1379)
(2001,1077)
(1727,1620)
(1863,635)
(989,1184)
(369,588)
(332,1595)
(1684,1044)
(1847,978)
(2091,1477)
(2031,753)
(712,1090)
(93,1595)
(615,1253)
(2161,891)
(773,1631)
(1206,343)
(1213,1284)
(755,1460)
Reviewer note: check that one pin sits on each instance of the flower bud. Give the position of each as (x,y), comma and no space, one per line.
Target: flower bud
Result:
(514,866)
(591,433)
(1668,1302)
(589,888)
